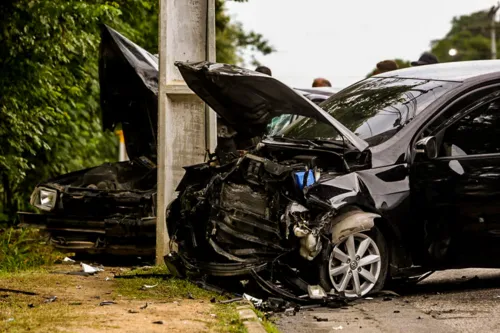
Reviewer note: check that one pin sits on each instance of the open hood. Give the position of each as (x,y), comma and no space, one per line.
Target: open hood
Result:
(248,100)
(128,78)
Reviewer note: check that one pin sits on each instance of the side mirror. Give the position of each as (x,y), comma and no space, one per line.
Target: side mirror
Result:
(427,146)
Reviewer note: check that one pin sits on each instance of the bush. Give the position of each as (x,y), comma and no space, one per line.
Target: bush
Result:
(22,249)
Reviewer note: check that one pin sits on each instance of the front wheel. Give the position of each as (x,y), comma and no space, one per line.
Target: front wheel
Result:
(356,266)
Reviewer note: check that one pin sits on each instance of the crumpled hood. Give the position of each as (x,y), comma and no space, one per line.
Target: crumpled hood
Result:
(248,100)
(128,79)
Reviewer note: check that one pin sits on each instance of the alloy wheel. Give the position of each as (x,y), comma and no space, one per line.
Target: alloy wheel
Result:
(355,265)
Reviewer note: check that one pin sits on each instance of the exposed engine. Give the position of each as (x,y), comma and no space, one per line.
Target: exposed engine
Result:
(251,211)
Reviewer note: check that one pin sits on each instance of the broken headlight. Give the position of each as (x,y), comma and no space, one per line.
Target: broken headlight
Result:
(44,198)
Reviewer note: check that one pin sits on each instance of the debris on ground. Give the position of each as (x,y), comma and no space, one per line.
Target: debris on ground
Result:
(50,299)
(320,319)
(107,303)
(68,260)
(190,296)
(232,300)
(256,301)
(159,322)
(15,291)
(90,269)
(337,328)
(316,292)
(144,306)
(133,311)
(31,305)
(147,286)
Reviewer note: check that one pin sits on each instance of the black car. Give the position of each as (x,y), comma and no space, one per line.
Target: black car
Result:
(394,176)
(111,208)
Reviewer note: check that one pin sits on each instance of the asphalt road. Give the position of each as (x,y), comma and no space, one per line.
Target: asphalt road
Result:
(452,301)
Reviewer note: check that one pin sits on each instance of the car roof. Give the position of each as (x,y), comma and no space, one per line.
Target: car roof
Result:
(450,71)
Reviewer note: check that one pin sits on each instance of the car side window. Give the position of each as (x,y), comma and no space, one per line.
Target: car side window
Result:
(478,132)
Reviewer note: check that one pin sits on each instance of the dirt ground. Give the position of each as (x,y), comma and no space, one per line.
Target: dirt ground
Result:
(77,307)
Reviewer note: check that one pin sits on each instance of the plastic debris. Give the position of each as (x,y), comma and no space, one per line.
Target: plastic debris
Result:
(338,328)
(148,286)
(320,318)
(232,300)
(316,292)
(144,306)
(159,322)
(31,305)
(90,269)
(50,299)
(68,260)
(9,320)
(257,302)
(368,298)
(133,311)
(107,303)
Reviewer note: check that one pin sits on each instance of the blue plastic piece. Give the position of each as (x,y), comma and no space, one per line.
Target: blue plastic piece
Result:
(299,178)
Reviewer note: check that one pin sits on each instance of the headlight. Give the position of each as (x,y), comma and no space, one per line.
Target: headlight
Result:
(45,199)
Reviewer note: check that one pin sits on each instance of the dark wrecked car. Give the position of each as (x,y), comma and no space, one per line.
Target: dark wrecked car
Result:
(111,208)
(395,176)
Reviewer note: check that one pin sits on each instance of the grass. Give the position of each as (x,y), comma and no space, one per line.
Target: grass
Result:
(228,320)
(25,249)
(267,323)
(167,287)
(227,317)
(42,316)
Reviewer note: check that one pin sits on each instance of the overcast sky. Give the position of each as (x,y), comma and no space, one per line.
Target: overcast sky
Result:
(342,40)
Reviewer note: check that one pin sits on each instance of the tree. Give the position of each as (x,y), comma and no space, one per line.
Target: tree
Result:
(49,92)
(469,35)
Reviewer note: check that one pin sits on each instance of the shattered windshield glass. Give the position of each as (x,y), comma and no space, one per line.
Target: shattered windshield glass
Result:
(374,109)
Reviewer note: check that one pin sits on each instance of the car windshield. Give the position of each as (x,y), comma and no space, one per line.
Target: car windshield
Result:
(374,109)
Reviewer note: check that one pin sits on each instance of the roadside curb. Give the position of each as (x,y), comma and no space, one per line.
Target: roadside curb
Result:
(249,318)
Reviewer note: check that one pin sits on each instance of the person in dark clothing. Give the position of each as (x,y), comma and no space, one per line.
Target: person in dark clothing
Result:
(264,70)
(386,66)
(320,82)
(426,58)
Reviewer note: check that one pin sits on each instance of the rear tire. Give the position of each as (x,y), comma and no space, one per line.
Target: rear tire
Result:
(357,266)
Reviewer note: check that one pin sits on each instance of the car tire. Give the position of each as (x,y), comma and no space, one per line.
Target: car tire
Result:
(356,269)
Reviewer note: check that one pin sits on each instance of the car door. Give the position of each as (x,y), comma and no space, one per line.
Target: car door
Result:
(456,196)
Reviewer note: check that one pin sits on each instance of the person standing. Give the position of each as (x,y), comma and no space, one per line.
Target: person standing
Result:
(386,66)
(264,70)
(321,82)
(426,58)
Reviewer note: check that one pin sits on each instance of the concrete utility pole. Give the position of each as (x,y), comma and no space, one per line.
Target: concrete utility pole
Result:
(492,15)
(186,127)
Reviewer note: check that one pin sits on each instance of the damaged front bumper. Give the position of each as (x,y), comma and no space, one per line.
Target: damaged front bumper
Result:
(112,235)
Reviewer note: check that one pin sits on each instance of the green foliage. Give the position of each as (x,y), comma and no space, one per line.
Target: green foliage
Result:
(469,35)
(232,39)
(49,92)
(22,249)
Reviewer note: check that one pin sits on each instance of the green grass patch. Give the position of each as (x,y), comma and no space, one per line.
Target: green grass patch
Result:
(228,320)
(267,322)
(24,249)
(167,287)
